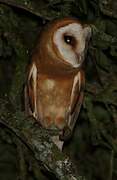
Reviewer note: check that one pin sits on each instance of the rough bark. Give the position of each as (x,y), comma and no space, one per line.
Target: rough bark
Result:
(38,141)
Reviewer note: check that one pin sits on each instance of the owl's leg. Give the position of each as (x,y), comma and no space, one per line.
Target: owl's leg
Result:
(58,142)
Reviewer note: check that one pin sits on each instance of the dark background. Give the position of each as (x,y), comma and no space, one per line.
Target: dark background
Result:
(93,147)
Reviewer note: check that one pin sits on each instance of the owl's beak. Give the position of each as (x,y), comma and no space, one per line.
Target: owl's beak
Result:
(80,57)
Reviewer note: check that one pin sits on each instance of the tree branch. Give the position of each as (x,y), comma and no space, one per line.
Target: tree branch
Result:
(39,142)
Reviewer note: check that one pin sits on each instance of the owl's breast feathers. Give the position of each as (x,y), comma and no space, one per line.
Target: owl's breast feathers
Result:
(53,100)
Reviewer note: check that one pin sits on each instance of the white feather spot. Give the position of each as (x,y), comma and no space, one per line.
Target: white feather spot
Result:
(76,81)
(33,73)
(49,84)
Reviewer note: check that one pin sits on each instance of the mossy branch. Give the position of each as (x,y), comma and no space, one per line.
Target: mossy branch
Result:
(41,8)
(38,141)
(24,5)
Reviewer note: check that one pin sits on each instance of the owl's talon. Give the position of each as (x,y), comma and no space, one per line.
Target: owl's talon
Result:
(66,134)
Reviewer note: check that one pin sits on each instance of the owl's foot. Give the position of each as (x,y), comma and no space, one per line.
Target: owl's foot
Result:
(65,134)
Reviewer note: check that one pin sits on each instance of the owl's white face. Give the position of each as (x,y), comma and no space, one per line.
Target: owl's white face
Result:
(70,41)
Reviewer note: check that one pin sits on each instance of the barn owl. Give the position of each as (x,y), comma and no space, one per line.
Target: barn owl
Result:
(55,78)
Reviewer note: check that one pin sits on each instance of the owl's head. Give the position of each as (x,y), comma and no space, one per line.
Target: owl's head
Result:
(66,40)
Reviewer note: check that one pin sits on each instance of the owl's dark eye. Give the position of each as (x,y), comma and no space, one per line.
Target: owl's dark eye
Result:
(68,39)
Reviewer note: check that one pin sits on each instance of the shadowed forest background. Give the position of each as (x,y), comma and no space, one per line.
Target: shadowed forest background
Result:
(26,152)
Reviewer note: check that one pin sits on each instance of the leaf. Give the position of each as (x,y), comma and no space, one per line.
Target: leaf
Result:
(103,61)
(113,51)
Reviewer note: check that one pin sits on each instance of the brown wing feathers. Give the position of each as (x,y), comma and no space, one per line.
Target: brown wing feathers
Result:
(75,106)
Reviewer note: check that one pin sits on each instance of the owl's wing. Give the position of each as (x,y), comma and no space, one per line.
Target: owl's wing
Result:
(30,91)
(77,95)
